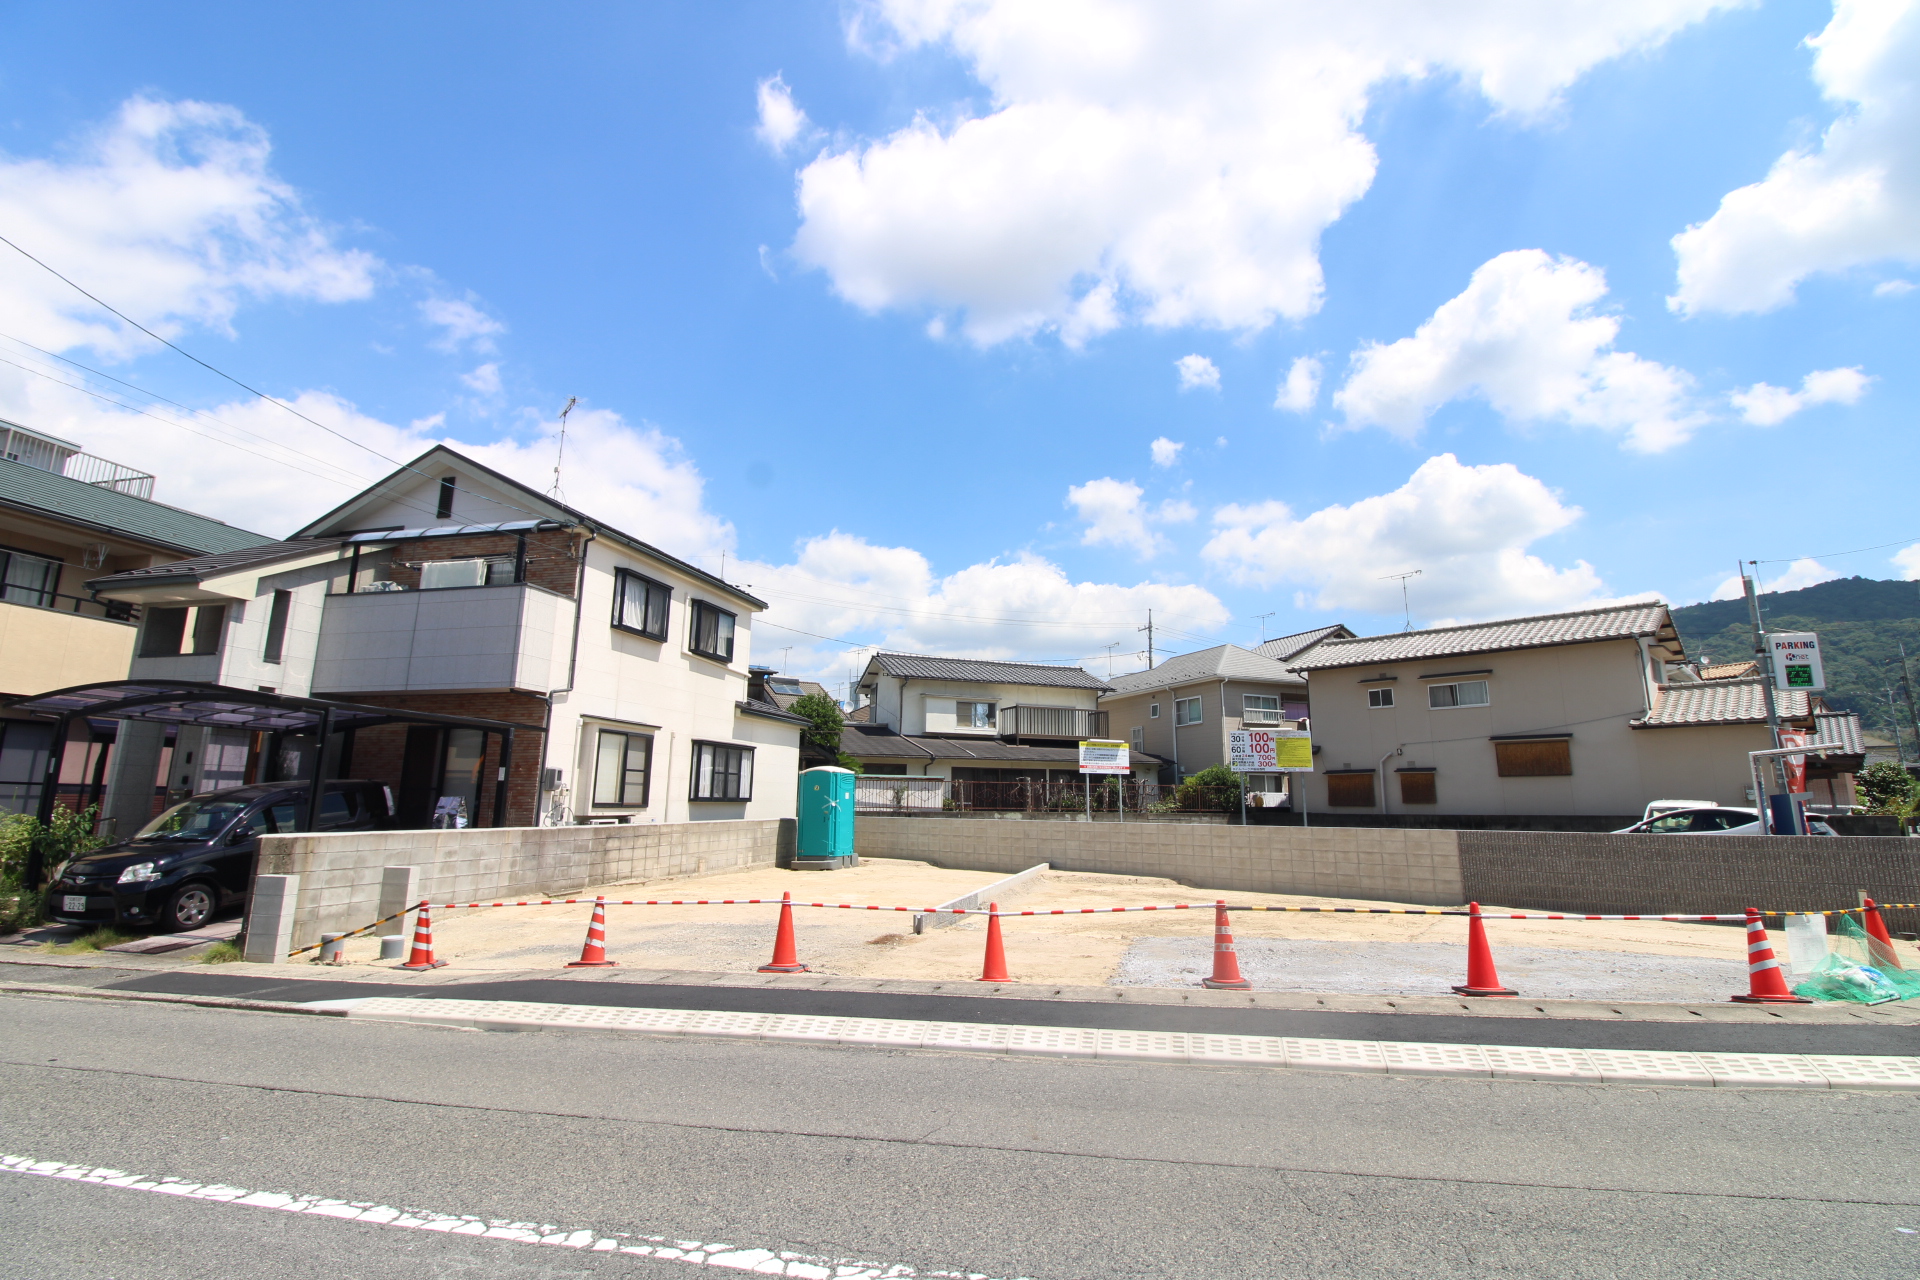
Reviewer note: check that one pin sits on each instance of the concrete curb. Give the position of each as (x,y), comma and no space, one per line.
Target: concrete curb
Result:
(999,890)
(1397,1058)
(148,997)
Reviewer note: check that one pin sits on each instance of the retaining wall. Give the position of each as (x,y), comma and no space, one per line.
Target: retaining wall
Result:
(1395,866)
(341,875)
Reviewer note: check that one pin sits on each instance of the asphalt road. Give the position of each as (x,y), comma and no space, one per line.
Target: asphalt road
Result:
(998,1166)
(1892,1040)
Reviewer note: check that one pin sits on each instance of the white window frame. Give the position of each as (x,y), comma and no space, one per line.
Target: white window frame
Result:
(1192,708)
(706,756)
(1251,714)
(1153,711)
(1455,686)
(616,792)
(1380,699)
(1138,737)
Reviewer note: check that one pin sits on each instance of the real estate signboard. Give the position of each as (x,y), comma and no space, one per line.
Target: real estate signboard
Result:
(1270,751)
(1796,660)
(1098,756)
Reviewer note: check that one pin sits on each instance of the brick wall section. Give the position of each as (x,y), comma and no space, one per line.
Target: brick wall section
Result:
(1578,872)
(1388,866)
(377,752)
(340,874)
(551,560)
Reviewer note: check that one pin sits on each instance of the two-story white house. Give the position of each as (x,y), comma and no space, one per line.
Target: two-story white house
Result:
(450,589)
(972,720)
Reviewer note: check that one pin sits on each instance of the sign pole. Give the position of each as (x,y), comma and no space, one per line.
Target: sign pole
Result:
(1764,661)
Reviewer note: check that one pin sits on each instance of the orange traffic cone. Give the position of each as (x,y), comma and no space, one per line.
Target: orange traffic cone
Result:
(594,954)
(422,955)
(1765,983)
(1482,978)
(785,958)
(995,968)
(1226,961)
(1880,942)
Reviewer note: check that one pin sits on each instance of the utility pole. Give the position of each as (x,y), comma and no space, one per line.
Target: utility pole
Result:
(1149,630)
(1764,660)
(1906,685)
(1893,722)
(1263,625)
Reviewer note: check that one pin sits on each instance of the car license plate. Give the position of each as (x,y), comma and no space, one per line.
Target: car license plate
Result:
(73,902)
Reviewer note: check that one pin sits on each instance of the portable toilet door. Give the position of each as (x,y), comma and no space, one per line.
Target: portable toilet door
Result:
(826,819)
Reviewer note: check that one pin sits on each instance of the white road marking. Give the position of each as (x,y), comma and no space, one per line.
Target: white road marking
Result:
(733,1257)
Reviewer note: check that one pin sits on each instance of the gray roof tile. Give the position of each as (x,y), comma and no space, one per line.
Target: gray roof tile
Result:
(1614,622)
(1284,647)
(1228,660)
(1720,702)
(922,667)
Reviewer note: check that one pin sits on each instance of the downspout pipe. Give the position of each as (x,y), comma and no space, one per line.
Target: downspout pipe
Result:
(573,666)
(1385,805)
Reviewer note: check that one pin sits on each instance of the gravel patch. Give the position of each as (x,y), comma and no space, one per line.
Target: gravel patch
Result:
(1432,968)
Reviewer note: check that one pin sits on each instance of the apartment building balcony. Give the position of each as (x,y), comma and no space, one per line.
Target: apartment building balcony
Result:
(1074,723)
(507,636)
(50,453)
(49,641)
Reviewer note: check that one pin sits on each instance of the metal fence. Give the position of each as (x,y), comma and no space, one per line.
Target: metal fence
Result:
(879,793)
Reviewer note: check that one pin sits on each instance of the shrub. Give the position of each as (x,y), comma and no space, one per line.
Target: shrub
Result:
(1885,788)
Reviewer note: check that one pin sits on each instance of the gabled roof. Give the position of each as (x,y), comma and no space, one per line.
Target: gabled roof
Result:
(920,667)
(1615,622)
(1284,647)
(534,503)
(1224,660)
(113,513)
(1720,702)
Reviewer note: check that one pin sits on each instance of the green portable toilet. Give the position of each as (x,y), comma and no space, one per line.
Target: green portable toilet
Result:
(826,820)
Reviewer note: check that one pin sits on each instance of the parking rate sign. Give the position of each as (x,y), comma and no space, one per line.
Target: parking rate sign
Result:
(1796,660)
(1097,756)
(1270,751)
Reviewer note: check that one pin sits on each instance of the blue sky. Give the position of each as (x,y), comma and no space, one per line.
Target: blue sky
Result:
(888,304)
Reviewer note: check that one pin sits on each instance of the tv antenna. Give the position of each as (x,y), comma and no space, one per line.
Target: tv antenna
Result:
(561,456)
(1405,604)
(1110,648)
(1263,624)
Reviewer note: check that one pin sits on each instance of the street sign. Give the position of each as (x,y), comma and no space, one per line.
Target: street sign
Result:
(1270,751)
(1098,756)
(1796,660)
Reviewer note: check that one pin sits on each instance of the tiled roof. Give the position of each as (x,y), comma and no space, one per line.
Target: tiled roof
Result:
(1720,702)
(1228,660)
(1842,727)
(1284,647)
(1616,622)
(861,715)
(872,742)
(111,512)
(211,565)
(807,688)
(1729,670)
(767,711)
(920,667)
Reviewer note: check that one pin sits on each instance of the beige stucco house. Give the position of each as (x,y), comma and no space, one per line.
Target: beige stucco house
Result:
(1593,712)
(1183,709)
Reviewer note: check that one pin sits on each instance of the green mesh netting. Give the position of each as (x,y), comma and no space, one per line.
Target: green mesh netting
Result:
(1858,968)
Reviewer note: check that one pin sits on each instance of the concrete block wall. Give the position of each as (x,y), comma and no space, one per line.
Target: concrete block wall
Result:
(1395,866)
(340,876)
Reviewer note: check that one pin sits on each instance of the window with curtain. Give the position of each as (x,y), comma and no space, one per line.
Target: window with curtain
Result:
(1186,711)
(722,772)
(622,769)
(973,715)
(712,632)
(1467,693)
(1260,708)
(26,579)
(640,605)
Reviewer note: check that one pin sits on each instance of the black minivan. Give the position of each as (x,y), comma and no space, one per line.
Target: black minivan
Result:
(197,857)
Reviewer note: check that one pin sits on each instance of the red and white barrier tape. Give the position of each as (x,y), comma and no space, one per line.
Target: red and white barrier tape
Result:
(1172,906)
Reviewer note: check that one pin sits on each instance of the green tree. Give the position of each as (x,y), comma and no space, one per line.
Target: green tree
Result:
(1215,787)
(823,733)
(1885,788)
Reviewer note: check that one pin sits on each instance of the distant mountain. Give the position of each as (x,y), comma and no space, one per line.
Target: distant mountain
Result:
(1862,623)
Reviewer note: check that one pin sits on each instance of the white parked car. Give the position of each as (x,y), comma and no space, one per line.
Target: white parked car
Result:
(1711,820)
(1657,807)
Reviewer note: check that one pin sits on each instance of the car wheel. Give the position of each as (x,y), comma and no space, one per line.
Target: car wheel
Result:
(189,907)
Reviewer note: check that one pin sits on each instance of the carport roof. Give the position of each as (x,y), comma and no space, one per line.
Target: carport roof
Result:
(199,702)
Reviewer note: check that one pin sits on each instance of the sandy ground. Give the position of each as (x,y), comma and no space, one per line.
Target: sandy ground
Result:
(1384,954)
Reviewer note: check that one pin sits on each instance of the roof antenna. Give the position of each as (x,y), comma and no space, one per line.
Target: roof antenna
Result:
(561,456)
(1263,624)
(1401,578)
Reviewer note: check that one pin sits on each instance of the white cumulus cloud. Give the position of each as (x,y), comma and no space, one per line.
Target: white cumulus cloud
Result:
(1114,515)
(1851,200)
(462,324)
(1467,529)
(1907,561)
(782,122)
(1525,336)
(1197,371)
(1166,452)
(1804,572)
(1764,405)
(171,211)
(485,379)
(1143,161)
(1301,390)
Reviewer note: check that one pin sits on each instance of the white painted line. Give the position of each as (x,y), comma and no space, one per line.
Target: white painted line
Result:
(733,1257)
(1392,1057)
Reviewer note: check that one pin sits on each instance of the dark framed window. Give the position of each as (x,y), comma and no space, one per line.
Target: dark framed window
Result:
(447,486)
(640,606)
(1534,758)
(722,772)
(712,632)
(1350,790)
(622,769)
(277,627)
(883,770)
(1416,786)
(28,579)
(1379,697)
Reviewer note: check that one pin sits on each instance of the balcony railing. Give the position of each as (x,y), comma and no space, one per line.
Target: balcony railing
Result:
(62,459)
(1052,722)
